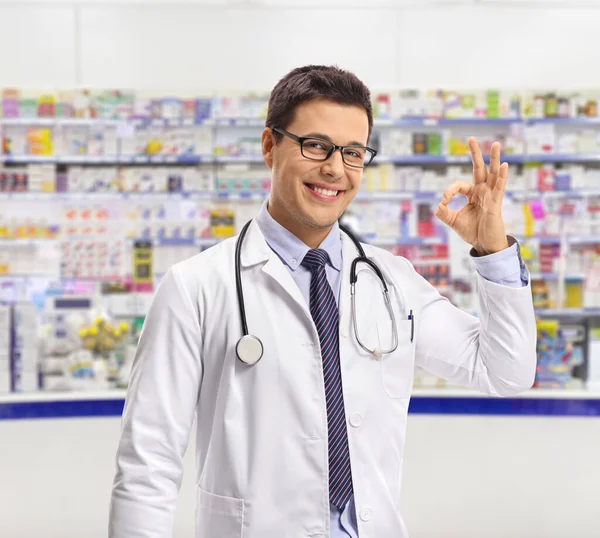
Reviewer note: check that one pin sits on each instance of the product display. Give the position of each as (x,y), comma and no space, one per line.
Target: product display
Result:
(560,352)
(101,192)
(83,347)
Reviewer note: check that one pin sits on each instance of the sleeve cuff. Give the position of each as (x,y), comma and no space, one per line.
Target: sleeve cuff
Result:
(503,266)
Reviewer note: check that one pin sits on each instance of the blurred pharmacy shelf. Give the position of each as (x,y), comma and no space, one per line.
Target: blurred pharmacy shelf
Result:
(171,167)
(56,122)
(210,241)
(149,195)
(420,241)
(139,159)
(556,276)
(569,239)
(26,243)
(109,403)
(442,159)
(376,241)
(216,194)
(568,312)
(576,122)
(442,122)
(574,158)
(124,128)
(408,122)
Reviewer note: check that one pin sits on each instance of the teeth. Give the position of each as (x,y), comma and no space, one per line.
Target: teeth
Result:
(325,192)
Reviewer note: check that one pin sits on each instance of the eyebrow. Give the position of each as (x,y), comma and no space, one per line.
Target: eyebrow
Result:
(325,137)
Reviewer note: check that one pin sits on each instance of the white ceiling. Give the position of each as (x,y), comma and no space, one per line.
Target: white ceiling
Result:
(365,4)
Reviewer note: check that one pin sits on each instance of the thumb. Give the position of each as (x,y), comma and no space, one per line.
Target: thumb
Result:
(445,214)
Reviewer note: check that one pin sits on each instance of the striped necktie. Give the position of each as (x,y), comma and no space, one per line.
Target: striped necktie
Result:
(324,312)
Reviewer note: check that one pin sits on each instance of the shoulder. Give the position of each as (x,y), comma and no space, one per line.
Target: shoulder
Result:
(206,269)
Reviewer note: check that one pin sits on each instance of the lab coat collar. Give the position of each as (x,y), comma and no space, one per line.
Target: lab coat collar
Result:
(255,249)
(284,243)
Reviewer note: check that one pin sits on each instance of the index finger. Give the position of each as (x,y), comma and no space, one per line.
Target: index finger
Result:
(456,187)
(479,168)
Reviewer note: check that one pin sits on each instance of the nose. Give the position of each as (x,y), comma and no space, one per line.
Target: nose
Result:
(334,166)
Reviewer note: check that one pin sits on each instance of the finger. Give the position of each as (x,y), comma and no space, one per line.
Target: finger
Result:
(494,162)
(479,169)
(445,214)
(500,186)
(458,186)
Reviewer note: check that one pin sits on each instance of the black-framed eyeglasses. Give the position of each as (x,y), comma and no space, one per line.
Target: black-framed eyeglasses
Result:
(319,149)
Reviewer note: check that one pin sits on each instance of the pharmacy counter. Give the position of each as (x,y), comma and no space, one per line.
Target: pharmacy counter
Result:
(528,464)
(424,401)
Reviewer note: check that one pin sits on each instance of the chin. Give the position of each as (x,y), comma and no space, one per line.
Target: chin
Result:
(319,217)
(322,221)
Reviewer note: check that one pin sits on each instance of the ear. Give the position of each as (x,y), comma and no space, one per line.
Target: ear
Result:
(268,145)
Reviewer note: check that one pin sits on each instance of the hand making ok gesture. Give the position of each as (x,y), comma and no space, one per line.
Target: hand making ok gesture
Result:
(479,222)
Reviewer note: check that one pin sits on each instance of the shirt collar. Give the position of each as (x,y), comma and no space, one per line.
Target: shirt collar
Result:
(292,250)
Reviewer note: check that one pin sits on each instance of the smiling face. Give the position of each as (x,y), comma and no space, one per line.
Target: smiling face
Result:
(308,197)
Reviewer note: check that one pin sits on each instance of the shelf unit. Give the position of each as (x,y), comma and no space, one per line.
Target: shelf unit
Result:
(261,195)
(420,395)
(379,123)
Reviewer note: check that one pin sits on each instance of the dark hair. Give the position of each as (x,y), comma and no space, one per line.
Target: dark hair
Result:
(310,82)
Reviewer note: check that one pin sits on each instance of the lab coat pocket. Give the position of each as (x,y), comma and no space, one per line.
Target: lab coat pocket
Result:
(397,368)
(218,516)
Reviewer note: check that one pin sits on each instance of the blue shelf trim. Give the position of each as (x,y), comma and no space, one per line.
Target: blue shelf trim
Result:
(239,122)
(61,409)
(569,312)
(442,122)
(420,405)
(563,121)
(505,406)
(258,159)
(220,194)
(446,159)
(563,158)
(408,121)
(128,159)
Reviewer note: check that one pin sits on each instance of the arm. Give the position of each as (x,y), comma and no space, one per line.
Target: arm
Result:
(158,415)
(495,353)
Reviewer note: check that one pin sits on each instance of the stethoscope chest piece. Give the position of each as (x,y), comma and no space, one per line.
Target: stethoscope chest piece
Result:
(249,349)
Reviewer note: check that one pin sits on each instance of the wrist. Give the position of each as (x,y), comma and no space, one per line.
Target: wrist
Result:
(492,249)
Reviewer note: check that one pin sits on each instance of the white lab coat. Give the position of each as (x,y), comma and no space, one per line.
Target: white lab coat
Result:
(262,430)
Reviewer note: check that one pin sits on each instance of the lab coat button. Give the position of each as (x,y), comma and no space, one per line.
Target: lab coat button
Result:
(356,420)
(366,513)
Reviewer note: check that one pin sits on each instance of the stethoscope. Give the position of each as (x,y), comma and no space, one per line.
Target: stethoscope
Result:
(249,348)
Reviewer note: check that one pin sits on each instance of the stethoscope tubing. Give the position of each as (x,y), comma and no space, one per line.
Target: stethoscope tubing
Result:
(250,349)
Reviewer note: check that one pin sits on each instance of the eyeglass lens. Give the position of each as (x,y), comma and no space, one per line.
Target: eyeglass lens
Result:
(319,150)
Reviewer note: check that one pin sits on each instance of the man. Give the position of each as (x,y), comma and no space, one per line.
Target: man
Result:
(309,440)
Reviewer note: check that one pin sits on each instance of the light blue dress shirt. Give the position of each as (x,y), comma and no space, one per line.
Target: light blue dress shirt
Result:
(505,267)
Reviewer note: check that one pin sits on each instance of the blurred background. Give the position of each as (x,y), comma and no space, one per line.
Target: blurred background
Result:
(131,140)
